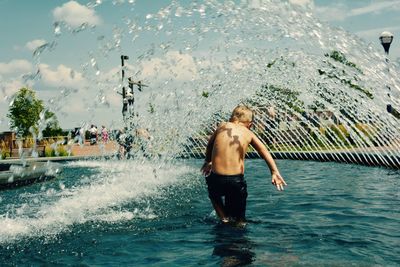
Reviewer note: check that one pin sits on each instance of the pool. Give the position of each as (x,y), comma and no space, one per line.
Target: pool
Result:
(142,213)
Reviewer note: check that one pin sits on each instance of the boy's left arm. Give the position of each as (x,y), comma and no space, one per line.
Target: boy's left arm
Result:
(276,178)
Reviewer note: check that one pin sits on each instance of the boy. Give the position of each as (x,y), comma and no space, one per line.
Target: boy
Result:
(224,165)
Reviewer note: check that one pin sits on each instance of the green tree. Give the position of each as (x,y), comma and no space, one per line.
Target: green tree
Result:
(52,127)
(25,111)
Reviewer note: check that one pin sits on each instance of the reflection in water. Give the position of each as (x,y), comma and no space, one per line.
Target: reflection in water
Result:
(232,245)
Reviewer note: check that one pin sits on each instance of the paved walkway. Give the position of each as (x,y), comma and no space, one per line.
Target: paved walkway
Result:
(94,150)
(78,153)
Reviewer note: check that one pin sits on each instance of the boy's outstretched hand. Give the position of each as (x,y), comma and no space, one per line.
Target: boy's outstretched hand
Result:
(206,168)
(278,181)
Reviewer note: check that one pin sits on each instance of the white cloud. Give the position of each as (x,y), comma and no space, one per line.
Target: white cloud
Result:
(62,76)
(15,66)
(74,14)
(336,12)
(376,7)
(375,33)
(259,3)
(339,11)
(32,45)
(11,87)
(174,65)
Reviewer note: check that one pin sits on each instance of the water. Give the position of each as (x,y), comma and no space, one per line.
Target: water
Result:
(137,214)
(200,59)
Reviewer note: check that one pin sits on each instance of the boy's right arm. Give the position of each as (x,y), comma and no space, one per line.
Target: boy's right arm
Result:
(277,179)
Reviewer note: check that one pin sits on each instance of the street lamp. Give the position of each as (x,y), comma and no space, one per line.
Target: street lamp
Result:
(123,58)
(386,39)
(124,100)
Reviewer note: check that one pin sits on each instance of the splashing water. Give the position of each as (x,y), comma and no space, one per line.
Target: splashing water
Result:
(325,86)
(94,199)
(267,54)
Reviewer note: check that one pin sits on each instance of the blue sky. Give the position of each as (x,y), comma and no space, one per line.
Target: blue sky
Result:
(25,25)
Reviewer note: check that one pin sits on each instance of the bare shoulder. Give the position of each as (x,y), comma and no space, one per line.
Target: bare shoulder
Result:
(253,138)
(250,134)
(222,124)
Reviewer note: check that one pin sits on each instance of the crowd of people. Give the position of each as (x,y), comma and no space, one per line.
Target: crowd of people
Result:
(93,134)
(125,138)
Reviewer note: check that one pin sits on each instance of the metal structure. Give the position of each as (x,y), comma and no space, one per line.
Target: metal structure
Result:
(128,97)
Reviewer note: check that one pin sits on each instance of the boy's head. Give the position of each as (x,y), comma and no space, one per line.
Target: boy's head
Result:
(242,114)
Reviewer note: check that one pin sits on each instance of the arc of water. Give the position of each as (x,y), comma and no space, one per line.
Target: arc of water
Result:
(360,144)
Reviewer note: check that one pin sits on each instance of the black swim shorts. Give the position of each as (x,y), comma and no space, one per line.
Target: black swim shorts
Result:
(233,188)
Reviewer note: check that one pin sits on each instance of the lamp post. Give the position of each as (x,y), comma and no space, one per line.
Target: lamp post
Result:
(123,58)
(386,39)
(124,100)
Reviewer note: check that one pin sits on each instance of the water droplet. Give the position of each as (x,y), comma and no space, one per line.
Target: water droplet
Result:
(93,62)
(39,50)
(202,11)
(62,186)
(118,2)
(32,77)
(179,11)
(82,27)
(57,29)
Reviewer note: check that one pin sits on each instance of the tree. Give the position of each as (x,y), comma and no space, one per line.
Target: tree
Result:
(25,112)
(52,128)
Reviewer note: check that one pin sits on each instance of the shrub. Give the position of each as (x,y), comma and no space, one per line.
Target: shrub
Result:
(340,133)
(58,151)
(4,150)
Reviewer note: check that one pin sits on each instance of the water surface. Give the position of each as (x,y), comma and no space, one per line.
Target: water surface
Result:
(139,213)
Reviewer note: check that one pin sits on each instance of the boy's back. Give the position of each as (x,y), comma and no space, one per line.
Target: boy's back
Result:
(230,146)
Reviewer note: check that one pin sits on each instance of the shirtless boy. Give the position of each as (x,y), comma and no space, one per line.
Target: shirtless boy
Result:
(224,165)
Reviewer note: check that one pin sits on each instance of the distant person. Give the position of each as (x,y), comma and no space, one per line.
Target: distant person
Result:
(131,100)
(120,137)
(125,141)
(224,165)
(80,136)
(93,134)
(104,134)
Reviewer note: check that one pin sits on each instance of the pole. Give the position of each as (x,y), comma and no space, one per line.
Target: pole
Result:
(123,58)
(386,39)
(124,100)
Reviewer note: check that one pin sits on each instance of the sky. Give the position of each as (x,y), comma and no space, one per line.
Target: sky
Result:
(72,33)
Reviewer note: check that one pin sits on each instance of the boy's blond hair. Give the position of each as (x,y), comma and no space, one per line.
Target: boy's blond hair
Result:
(242,114)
